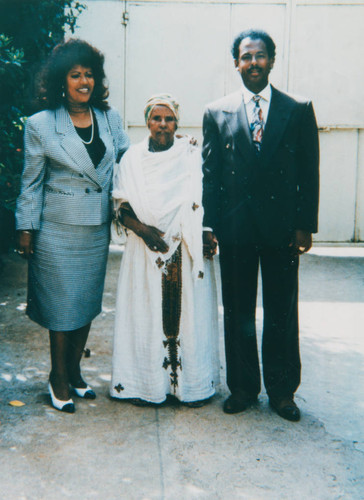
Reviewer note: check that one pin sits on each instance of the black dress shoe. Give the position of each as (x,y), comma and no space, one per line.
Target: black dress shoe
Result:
(286,408)
(143,402)
(140,402)
(238,402)
(196,404)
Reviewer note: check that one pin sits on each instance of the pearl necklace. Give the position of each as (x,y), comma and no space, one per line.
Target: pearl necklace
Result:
(92,130)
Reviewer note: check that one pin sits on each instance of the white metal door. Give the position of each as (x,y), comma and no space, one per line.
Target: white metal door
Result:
(183,47)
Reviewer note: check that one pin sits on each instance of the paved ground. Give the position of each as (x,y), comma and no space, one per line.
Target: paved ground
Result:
(112,450)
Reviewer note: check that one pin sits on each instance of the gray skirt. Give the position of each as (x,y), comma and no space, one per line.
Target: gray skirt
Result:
(66,275)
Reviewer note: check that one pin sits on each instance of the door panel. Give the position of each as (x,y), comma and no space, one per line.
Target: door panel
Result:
(178,49)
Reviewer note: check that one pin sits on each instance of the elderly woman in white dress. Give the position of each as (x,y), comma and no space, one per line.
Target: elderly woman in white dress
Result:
(166,329)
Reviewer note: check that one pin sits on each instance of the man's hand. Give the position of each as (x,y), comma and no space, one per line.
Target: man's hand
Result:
(209,244)
(25,243)
(301,242)
(193,140)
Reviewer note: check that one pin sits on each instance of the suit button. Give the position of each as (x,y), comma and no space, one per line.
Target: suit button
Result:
(228,146)
(81,175)
(99,190)
(87,190)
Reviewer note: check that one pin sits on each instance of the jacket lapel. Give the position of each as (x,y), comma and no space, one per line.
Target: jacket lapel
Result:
(279,111)
(73,146)
(237,122)
(105,136)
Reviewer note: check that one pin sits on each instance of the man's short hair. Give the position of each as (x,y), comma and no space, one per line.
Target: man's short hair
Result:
(254,35)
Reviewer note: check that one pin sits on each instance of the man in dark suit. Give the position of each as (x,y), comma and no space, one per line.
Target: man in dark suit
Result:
(261,184)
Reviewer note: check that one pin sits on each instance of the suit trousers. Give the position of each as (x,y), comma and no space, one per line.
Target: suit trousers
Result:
(280,347)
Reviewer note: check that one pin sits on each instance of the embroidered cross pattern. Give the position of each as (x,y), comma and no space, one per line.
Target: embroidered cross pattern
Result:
(174,361)
(159,262)
(171,314)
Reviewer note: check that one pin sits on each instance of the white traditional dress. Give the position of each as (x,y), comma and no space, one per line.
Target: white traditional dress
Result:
(166,327)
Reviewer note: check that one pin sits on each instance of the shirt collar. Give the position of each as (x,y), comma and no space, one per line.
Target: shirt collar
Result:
(265,94)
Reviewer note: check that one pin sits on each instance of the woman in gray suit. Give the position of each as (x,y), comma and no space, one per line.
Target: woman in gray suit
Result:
(63,211)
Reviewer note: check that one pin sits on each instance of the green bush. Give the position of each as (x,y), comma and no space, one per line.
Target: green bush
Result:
(28,32)
(11,121)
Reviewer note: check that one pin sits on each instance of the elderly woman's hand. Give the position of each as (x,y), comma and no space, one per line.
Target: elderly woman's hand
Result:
(153,238)
(25,243)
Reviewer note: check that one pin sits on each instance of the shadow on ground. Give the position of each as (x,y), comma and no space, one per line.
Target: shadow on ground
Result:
(111,449)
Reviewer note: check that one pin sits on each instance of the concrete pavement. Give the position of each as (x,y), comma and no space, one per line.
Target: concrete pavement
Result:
(113,450)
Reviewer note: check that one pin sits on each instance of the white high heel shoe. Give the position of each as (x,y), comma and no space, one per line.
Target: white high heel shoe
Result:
(84,392)
(66,406)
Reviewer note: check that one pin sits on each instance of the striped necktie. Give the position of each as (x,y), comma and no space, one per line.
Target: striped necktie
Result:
(257,124)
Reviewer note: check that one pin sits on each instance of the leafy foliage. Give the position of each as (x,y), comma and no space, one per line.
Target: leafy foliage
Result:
(37,26)
(28,32)
(11,120)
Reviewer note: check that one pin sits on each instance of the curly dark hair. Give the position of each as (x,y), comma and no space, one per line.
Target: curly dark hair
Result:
(254,35)
(63,57)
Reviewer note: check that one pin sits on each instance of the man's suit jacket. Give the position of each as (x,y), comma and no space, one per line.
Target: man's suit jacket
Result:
(59,181)
(260,198)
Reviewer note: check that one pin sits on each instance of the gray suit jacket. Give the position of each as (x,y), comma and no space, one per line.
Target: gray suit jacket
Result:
(59,181)
(260,199)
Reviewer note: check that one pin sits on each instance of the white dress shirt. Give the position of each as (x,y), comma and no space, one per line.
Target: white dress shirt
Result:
(265,94)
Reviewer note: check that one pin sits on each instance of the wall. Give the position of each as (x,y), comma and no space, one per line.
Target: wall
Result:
(183,47)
